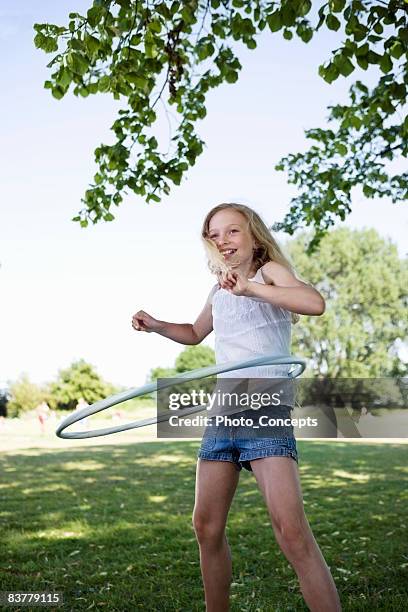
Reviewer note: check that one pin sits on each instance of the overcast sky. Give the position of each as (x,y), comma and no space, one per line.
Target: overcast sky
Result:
(69,293)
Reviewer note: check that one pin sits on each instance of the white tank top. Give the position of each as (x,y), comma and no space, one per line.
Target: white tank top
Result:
(249,327)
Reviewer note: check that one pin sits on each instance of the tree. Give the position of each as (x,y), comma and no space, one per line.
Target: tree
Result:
(160,372)
(79,380)
(25,396)
(173,51)
(4,399)
(365,285)
(194,357)
(191,358)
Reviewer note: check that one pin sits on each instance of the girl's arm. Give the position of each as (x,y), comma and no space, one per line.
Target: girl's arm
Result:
(185,333)
(282,289)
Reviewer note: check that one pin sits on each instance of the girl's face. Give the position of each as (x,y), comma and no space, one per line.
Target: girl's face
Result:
(228,229)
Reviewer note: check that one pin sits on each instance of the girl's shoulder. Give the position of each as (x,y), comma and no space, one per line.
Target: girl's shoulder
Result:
(275,273)
(212,293)
(266,272)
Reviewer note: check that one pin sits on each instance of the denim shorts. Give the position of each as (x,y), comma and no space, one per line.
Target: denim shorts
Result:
(240,443)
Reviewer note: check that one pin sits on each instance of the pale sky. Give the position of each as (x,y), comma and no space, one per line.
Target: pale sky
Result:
(69,293)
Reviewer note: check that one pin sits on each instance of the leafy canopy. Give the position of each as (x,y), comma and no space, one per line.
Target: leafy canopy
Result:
(79,380)
(365,285)
(175,52)
(190,358)
(25,396)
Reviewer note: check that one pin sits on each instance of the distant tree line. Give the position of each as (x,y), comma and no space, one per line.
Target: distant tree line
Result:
(360,336)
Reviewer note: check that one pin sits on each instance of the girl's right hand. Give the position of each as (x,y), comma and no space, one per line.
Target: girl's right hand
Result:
(227,280)
(141,321)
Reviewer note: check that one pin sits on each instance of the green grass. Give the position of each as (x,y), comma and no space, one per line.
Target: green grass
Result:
(109,525)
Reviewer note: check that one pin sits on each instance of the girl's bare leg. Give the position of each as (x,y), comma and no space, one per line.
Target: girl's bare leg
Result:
(278,479)
(216,482)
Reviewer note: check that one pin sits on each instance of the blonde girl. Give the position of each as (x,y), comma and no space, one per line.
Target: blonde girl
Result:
(251,310)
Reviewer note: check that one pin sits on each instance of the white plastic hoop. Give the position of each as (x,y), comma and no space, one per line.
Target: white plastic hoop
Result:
(118,398)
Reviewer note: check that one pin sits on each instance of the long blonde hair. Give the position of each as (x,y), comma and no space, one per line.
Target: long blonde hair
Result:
(267,249)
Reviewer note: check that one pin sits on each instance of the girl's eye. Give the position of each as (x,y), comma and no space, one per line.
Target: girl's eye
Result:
(234,230)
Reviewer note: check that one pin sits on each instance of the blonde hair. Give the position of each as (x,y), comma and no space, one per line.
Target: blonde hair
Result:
(266,247)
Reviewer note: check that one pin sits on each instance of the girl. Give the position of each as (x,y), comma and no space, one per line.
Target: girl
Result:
(252,307)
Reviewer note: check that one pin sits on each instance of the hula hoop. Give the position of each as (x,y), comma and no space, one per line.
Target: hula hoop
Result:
(118,398)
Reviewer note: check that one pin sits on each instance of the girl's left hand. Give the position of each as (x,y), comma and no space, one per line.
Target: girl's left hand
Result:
(233,282)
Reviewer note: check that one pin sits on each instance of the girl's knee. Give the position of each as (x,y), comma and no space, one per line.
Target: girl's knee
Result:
(294,537)
(207,530)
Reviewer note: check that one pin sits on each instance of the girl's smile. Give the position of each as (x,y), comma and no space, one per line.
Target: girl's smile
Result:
(228,253)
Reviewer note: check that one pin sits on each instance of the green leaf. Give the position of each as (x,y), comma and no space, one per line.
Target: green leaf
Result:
(287,34)
(373,57)
(356,122)
(386,63)
(231,76)
(341,148)
(136,79)
(204,49)
(39,40)
(46,43)
(151,50)
(368,191)
(337,5)
(360,33)
(373,38)
(362,50)
(397,49)
(175,176)
(288,15)
(330,73)
(175,7)
(104,83)
(94,15)
(362,62)
(332,22)
(343,64)
(92,44)
(403,34)
(305,33)
(58,93)
(135,40)
(64,77)
(274,21)
(304,8)
(155,26)
(77,62)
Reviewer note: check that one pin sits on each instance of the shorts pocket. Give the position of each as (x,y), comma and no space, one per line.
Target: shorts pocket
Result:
(208,443)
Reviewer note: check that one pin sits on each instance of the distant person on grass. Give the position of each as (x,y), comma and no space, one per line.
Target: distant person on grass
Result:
(250,310)
(43,413)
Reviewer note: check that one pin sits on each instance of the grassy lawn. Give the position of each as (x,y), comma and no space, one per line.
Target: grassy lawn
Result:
(108,522)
